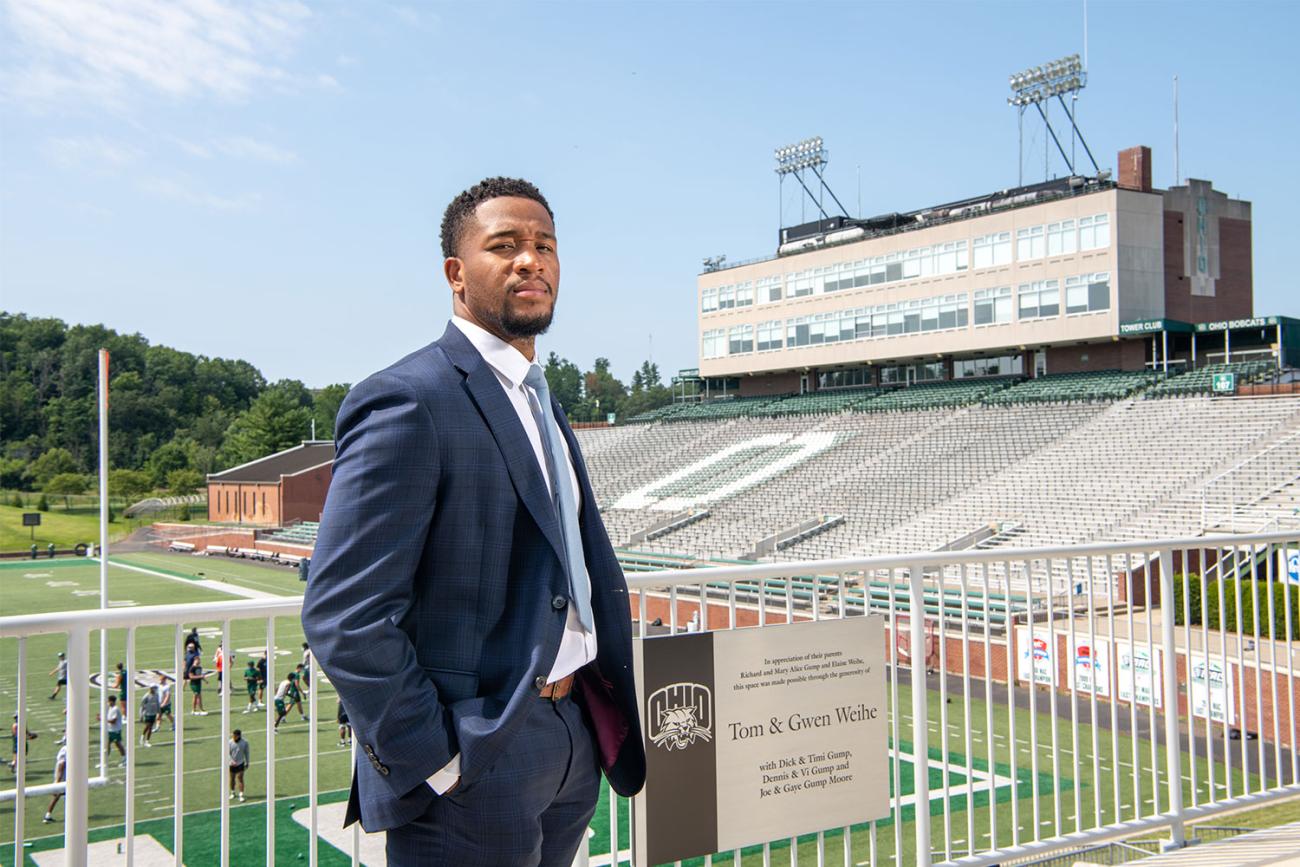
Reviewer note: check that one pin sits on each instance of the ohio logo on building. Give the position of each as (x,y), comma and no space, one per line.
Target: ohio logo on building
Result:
(678,714)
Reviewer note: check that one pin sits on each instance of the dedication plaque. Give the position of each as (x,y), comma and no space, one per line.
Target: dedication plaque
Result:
(760,734)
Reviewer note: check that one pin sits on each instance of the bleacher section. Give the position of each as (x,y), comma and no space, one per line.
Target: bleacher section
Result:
(1201,380)
(936,395)
(303,533)
(1058,461)
(1101,385)
(1063,387)
(828,401)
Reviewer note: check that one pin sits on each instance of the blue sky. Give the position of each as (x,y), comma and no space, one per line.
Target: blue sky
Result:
(264,180)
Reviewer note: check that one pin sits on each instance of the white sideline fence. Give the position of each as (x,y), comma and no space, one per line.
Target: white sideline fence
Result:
(1161,751)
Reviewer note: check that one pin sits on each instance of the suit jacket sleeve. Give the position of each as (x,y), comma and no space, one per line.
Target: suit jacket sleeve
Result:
(372,536)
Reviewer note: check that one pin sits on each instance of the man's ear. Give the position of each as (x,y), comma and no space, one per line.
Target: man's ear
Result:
(453,269)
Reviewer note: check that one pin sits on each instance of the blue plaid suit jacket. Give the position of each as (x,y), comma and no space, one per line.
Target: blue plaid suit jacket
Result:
(430,598)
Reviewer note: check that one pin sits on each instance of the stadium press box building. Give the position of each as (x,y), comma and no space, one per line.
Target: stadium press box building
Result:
(1069,275)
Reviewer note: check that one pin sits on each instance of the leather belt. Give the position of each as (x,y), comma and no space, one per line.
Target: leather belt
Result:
(558,689)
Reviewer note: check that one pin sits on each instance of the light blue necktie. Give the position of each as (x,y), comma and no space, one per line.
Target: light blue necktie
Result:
(565,506)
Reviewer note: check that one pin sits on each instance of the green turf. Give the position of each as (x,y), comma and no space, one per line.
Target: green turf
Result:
(64,529)
(26,587)
(280,580)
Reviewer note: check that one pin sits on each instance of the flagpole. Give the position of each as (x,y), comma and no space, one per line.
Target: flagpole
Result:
(103,556)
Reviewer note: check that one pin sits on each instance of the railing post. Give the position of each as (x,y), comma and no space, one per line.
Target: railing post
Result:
(78,766)
(920,721)
(1173,746)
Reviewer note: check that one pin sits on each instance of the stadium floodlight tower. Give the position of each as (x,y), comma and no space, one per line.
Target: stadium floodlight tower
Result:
(807,155)
(1037,85)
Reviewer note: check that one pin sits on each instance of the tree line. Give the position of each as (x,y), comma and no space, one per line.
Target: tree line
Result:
(175,416)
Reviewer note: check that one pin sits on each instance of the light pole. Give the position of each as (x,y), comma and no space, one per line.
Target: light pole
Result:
(1038,84)
(810,154)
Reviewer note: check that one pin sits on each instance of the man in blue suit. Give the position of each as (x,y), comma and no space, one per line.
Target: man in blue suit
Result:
(464,598)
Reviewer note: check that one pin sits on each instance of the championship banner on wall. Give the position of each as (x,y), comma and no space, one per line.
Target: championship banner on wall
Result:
(1212,689)
(1037,653)
(760,734)
(1140,678)
(1091,665)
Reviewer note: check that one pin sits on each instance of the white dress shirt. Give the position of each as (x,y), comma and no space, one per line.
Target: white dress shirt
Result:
(577,645)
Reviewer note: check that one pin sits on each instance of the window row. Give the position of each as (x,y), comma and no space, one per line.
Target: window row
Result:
(1084,293)
(1039,299)
(987,251)
(727,297)
(1001,365)
(1063,238)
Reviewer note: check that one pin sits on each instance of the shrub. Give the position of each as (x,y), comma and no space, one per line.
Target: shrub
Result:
(43,504)
(17,501)
(184,513)
(1248,591)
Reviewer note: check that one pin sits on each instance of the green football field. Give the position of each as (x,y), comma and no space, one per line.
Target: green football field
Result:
(42,586)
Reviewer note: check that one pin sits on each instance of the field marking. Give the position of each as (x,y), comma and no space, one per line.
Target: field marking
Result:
(213,566)
(232,590)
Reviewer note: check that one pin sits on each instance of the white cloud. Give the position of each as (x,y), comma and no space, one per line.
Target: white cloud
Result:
(179,191)
(194,149)
(106,49)
(243,147)
(408,14)
(93,152)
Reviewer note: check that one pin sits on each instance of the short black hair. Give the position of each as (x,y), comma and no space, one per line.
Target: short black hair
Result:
(462,207)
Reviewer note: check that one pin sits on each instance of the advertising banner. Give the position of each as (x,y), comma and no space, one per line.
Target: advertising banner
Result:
(1217,693)
(1090,663)
(1037,653)
(1139,678)
(760,734)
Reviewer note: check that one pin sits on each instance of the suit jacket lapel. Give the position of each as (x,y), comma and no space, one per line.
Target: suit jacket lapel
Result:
(484,389)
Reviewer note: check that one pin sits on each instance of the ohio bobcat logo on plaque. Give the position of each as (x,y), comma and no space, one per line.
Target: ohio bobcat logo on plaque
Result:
(679,713)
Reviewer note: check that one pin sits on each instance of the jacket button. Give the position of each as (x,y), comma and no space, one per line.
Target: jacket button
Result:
(383,770)
(559,602)
(540,681)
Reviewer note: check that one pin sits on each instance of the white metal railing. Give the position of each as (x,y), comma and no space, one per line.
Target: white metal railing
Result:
(1201,720)
(1227,499)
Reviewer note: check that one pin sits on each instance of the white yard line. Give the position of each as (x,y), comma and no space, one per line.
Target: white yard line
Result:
(220,587)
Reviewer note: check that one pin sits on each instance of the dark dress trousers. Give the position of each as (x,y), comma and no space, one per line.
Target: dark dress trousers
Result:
(437,596)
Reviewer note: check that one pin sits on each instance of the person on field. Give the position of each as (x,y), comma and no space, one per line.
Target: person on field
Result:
(261,681)
(345,729)
(295,694)
(165,703)
(119,683)
(238,750)
(60,673)
(149,709)
(31,736)
(197,676)
(250,684)
(113,727)
(60,775)
(282,699)
(306,666)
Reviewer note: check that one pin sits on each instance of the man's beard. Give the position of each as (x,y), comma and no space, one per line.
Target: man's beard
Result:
(505,321)
(518,325)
